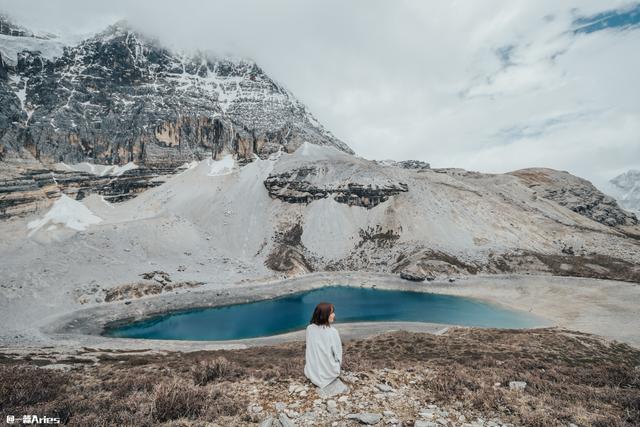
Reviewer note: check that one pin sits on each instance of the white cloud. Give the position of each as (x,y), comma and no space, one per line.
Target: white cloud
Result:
(423,80)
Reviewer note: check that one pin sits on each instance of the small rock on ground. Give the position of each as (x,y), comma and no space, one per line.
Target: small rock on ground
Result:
(285,421)
(366,417)
(332,389)
(517,385)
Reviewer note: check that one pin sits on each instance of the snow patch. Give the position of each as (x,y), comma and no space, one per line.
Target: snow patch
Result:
(190,165)
(67,212)
(11,46)
(223,166)
(100,170)
(304,149)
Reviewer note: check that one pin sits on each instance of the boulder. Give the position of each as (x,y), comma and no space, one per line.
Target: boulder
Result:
(413,276)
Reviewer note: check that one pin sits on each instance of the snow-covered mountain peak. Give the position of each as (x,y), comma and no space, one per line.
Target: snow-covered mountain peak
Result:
(626,189)
(120,96)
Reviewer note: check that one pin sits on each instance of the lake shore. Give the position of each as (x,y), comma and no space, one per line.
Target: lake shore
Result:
(602,307)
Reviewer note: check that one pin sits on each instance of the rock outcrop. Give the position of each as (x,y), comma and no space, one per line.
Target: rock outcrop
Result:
(297,186)
(36,189)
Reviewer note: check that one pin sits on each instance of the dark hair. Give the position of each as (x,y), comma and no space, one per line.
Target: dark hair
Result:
(321,314)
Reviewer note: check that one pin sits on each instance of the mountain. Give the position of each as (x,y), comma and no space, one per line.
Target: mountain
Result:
(626,189)
(119,155)
(120,97)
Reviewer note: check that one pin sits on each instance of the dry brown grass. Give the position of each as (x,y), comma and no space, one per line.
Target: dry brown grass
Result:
(207,371)
(571,378)
(177,399)
(24,385)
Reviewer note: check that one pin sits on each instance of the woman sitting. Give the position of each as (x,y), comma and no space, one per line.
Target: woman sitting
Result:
(323,355)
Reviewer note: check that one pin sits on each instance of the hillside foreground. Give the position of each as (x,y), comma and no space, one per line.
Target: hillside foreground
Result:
(463,377)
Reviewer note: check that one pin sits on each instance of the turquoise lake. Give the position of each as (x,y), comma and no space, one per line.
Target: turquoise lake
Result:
(293,312)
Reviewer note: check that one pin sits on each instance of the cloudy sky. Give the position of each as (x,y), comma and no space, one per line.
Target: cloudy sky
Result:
(483,85)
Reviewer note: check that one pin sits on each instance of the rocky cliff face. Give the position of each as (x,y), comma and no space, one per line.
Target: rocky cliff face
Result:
(36,188)
(294,186)
(121,97)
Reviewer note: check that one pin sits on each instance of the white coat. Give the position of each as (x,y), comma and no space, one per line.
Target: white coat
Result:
(323,354)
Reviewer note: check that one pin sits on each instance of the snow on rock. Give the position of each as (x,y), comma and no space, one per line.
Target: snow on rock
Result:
(99,170)
(67,212)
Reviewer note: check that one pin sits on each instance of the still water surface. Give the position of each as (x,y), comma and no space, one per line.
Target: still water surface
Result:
(293,312)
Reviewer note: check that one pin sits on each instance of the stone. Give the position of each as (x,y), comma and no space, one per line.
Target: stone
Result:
(254,409)
(423,423)
(517,385)
(285,421)
(332,406)
(291,413)
(413,276)
(369,418)
(334,388)
(384,387)
(280,406)
(267,422)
